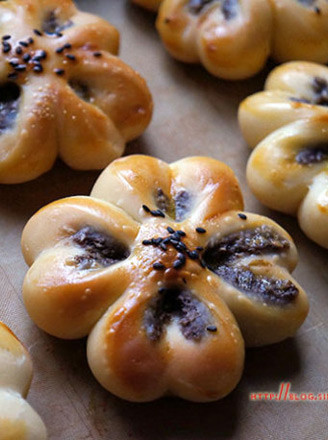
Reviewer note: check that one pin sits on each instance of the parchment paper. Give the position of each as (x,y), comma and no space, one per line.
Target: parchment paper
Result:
(195,114)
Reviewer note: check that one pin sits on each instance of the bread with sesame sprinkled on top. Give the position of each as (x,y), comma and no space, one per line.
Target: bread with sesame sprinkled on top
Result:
(63,90)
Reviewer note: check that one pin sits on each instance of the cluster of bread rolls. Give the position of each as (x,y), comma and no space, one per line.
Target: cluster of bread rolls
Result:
(18,421)
(167,275)
(63,91)
(234,38)
(287,124)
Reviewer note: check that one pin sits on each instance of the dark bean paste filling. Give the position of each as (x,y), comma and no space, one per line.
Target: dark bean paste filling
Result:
(99,248)
(229,8)
(222,258)
(51,24)
(182,205)
(80,89)
(308,3)
(178,208)
(176,304)
(309,156)
(9,104)
(320,89)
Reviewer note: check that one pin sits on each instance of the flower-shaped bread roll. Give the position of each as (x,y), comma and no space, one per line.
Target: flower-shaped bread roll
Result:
(18,421)
(63,91)
(234,38)
(288,170)
(156,266)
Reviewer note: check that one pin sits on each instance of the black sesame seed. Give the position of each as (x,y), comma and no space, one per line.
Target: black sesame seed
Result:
(67,46)
(145,208)
(30,41)
(193,255)
(158,266)
(37,32)
(71,57)
(38,68)
(182,257)
(178,264)
(200,230)
(157,213)
(20,68)
(202,263)
(14,62)
(242,216)
(6,47)
(6,37)
(39,55)
(199,248)
(97,54)
(60,49)
(12,75)
(166,240)
(19,50)
(170,230)
(181,233)
(163,246)
(147,242)
(176,236)
(59,72)
(26,57)
(157,241)
(317,10)
(212,328)
(59,34)
(23,43)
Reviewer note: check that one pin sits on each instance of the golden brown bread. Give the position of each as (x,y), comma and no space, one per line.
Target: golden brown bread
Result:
(18,421)
(234,38)
(288,169)
(63,90)
(158,266)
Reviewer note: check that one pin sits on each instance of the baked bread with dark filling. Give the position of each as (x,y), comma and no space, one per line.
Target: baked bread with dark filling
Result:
(18,421)
(166,273)
(63,92)
(287,124)
(234,38)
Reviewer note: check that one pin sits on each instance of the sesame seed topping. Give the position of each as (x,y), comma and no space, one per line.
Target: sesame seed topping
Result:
(145,208)
(23,43)
(242,216)
(20,68)
(97,54)
(38,68)
(181,233)
(212,328)
(30,40)
(201,230)
(157,213)
(39,55)
(26,57)
(14,62)
(199,248)
(67,46)
(19,50)
(59,34)
(59,72)
(170,230)
(193,255)
(6,37)
(147,242)
(182,257)
(158,266)
(178,264)
(70,56)
(6,47)
(37,32)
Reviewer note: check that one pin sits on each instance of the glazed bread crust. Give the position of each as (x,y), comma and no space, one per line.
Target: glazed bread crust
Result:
(287,124)
(234,38)
(18,421)
(161,268)
(63,91)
